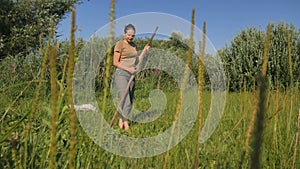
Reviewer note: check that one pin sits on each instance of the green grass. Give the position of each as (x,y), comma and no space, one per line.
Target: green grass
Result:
(222,150)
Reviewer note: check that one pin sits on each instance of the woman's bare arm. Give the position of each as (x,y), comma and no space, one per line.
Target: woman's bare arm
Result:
(146,48)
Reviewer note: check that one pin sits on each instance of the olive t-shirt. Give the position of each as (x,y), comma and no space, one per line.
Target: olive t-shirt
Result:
(128,53)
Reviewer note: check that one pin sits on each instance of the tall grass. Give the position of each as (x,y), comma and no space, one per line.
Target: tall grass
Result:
(221,150)
(260,109)
(108,65)
(41,79)
(182,86)
(200,90)
(290,63)
(53,81)
(108,61)
(289,49)
(255,127)
(37,96)
(17,98)
(275,116)
(72,115)
(296,141)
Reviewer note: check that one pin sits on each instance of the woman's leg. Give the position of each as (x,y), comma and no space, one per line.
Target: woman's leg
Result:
(128,104)
(121,79)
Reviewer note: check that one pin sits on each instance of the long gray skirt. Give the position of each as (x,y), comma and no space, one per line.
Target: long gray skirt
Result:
(121,81)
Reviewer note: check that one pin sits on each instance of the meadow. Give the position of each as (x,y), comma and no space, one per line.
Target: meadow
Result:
(222,150)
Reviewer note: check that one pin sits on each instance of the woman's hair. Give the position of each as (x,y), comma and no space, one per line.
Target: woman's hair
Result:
(129,26)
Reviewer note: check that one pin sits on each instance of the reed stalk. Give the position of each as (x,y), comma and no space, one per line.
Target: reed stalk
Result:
(262,97)
(37,95)
(277,108)
(108,63)
(72,114)
(255,127)
(182,86)
(200,90)
(61,84)
(16,99)
(14,158)
(248,135)
(289,49)
(290,56)
(296,141)
(42,77)
(54,96)
(14,144)
(242,110)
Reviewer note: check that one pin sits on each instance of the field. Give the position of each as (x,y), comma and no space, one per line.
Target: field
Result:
(222,150)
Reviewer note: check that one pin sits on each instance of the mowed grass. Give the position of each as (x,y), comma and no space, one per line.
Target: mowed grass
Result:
(222,150)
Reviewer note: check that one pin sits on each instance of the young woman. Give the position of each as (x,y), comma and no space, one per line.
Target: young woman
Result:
(126,59)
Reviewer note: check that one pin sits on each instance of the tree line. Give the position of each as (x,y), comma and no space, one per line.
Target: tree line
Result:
(24,27)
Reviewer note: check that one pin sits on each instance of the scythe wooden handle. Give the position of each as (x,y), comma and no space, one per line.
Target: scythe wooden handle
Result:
(154,33)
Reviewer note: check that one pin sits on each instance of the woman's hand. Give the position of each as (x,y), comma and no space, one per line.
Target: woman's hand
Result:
(146,48)
(131,70)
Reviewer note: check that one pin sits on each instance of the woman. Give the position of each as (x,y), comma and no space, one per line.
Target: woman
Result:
(126,59)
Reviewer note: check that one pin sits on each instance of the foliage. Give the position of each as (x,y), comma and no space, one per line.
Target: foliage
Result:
(14,71)
(24,23)
(243,58)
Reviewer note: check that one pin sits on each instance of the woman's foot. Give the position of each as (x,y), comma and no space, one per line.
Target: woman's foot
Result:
(121,124)
(126,126)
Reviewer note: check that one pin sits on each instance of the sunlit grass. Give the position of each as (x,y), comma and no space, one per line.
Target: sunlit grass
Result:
(222,150)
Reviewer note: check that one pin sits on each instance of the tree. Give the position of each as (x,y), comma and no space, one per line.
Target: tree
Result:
(242,59)
(23,23)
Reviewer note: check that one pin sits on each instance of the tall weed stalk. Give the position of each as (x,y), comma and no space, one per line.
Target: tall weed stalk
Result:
(37,96)
(256,124)
(72,114)
(182,86)
(260,110)
(108,63)
(296,141)
(200,90)
(289,33)
(54,96)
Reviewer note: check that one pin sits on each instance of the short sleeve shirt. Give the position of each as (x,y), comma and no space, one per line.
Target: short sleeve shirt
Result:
(128,51)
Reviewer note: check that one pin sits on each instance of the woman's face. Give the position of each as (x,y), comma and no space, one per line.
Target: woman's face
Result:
(129,35)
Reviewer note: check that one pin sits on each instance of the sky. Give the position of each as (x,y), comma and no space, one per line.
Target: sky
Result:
(224,18)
